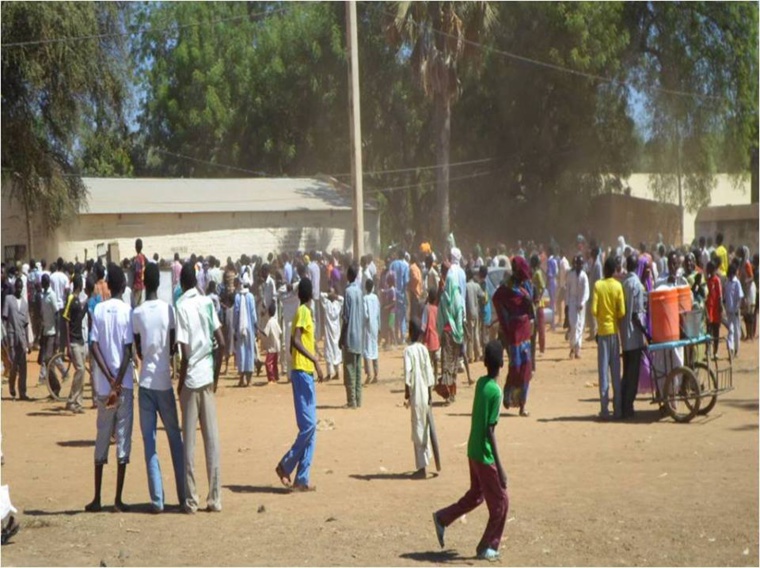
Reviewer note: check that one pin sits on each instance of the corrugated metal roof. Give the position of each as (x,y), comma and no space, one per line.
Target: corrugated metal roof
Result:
(181,195)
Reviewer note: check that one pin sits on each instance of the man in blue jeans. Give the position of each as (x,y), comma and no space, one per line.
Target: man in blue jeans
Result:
(153,327)
(304,396)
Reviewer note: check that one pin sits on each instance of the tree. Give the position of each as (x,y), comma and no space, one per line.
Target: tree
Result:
(437,36)
(260,87)
(696,63)
(54,88)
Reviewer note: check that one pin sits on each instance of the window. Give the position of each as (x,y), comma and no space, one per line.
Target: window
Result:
(12,253)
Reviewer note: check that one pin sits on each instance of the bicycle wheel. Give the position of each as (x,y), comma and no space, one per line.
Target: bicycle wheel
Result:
(57,364)
(707,383)
(681,394)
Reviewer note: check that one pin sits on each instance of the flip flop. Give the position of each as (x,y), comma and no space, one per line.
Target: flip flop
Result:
(298,488)
(284,477)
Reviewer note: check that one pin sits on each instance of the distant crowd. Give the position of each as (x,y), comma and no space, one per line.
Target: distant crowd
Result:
(449,308)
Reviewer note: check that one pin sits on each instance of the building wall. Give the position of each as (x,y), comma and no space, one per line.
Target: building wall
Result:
(220,234)
(636,219)
(729,190)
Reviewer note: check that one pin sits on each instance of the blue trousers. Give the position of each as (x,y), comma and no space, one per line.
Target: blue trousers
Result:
(608,358)
(153,403)
(302,451)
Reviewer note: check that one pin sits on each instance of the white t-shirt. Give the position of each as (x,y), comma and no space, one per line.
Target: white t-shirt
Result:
(112,330)
(273,334)
(196,323)
(152,321)
(59,282)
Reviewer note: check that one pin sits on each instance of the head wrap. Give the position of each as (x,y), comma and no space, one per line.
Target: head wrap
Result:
(520,269)
(456,255)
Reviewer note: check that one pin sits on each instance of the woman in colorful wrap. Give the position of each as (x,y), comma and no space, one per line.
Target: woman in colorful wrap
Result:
(514,307)
(451,332)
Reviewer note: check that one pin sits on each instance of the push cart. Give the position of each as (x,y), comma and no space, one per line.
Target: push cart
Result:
(689,385)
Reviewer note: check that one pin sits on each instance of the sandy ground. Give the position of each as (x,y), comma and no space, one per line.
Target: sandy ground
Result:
(648,492)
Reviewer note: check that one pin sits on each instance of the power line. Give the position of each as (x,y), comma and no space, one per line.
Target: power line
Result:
(206,162)
(422,184)
(414,169)
(563,69)
(139,31)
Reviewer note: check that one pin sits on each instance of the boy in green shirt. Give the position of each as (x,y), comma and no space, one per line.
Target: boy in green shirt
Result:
(487,478)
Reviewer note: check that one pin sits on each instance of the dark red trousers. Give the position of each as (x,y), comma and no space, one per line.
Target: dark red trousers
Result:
(484,485)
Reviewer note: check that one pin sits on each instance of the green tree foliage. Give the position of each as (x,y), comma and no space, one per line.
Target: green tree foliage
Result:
(253,86)
(436,36)
(708,49)
(553,135)
(53,93)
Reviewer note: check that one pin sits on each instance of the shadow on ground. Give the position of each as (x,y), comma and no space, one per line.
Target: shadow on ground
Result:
(76,443)
(257,489)
(390,476)
(437,557)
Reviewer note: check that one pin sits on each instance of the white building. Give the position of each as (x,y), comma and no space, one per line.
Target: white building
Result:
(223,217)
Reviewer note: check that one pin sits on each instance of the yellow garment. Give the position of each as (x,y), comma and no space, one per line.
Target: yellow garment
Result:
(303,320)
(723,256)
(608,305)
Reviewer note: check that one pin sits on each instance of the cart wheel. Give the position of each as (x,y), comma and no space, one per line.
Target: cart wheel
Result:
(58,367)
(707,383)
(681,394)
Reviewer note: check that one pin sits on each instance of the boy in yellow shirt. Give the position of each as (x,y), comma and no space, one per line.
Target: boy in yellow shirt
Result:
(304,395)
(608,306)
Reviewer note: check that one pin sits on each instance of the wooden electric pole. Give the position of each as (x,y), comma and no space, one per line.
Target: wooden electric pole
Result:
(356,128)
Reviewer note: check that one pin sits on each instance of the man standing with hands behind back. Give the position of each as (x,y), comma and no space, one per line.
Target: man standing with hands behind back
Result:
(199,335)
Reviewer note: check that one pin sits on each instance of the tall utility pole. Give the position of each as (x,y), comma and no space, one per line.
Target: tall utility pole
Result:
(356,128)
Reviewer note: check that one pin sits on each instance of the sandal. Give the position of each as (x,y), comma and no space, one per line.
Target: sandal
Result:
(299,488)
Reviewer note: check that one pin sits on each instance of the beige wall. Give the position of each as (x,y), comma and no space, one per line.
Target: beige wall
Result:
(729,190)
(220,234)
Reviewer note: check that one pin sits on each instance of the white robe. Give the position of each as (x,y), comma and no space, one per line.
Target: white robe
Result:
(333,353)
(371,325)
(418,376)
(577,294)
(289,301)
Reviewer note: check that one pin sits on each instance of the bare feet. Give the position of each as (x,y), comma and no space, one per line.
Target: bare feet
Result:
(121,507)
(284,477)
(93,507)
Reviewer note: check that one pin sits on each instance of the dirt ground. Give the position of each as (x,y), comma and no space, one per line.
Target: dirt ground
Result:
(648,492)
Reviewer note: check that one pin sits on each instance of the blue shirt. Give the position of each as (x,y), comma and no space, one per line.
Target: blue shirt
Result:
(353,317)
(400,269)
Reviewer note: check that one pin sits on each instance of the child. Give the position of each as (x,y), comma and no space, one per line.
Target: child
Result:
(419,380)
(487,477)
(430,329)
(733,295)
(271,340)
(371,329)
(389,309)
(713,305)
(332,305)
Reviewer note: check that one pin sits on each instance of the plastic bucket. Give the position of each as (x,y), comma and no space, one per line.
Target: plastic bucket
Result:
(663,307)
(691,324)
(684,299)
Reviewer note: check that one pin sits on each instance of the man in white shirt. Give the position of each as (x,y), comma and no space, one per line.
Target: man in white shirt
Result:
(199,335)
(153,327)
(577,297)
(564,268)
(59,283)
(112,350)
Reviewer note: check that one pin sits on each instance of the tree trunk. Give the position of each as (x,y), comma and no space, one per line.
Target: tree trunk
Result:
(442,125)
(29,240)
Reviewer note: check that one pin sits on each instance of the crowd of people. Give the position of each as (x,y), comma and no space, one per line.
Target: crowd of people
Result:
(447,308)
